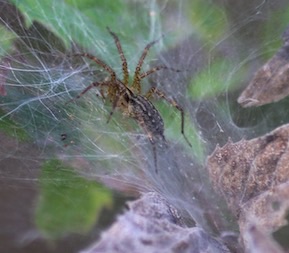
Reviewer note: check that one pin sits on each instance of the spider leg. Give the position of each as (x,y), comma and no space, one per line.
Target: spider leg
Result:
(155,155)
(102,94)
(155,69)
(120,92)
(122,57)
(93,85)
(114,83)
(137,75)
(114,104)
(154,90)
(100,63)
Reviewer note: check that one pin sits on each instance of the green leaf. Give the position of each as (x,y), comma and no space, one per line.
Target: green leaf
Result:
(83,22)
(12,129)
(57,16)
(6,40)
(272,32)
(214,80)
(172,121)
(101,13)
(208,19)
(68,203)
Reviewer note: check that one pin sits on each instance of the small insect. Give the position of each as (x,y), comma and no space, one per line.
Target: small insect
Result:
(128,97)
(63,137)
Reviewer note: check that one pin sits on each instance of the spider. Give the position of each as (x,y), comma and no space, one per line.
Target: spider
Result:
(129,98)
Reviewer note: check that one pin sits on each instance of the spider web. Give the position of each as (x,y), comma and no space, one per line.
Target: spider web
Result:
(39,76)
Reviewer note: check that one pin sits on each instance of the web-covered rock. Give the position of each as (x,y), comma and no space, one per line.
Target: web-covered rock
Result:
(253,178)
(152,225)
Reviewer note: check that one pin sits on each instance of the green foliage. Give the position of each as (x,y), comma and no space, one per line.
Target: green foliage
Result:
(68,203)
(272,32)
(214,80)
(57,16)
(6,40)
(83,22)
(101,13)
(172,121)
(208,19)
(12,129)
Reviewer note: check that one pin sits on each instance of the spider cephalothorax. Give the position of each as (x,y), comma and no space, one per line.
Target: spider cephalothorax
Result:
(128,97)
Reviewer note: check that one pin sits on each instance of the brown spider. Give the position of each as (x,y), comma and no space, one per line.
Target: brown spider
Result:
(129,98)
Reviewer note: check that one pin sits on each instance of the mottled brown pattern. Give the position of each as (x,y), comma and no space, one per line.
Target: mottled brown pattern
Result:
(271,82)
(253,177)
(243,170)
(150,225)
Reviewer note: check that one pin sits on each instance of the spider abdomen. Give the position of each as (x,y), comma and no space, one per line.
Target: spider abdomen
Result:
(147,116)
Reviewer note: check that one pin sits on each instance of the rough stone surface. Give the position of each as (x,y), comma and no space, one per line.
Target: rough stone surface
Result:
(151,225)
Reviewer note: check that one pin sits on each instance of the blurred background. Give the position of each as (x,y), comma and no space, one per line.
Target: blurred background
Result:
(65,173)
